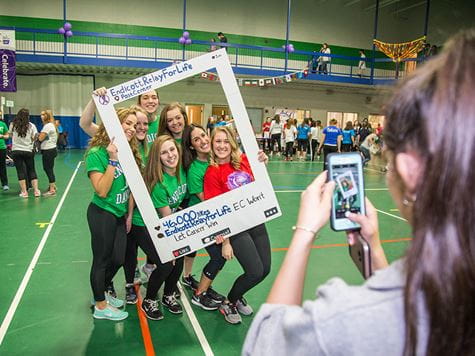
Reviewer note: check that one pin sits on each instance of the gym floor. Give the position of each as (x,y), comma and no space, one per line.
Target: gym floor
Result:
(45,259)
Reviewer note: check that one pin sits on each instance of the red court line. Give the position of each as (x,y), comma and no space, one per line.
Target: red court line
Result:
(277,249)
(147,338)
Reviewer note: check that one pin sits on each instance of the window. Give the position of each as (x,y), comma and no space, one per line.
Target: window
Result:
(341,117)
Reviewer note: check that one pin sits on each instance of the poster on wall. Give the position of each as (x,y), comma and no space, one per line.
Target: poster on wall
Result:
(225,215)
(7,56)
(286,114)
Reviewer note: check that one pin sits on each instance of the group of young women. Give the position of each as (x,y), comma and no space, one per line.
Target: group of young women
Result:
(181,165)
(24,134)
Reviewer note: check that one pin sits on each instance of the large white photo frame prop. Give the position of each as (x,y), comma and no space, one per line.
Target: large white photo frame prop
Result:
(193,228)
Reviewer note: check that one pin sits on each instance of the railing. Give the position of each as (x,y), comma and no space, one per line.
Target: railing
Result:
(91,48)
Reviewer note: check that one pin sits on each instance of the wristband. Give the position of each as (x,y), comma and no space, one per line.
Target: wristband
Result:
(113,163)
(298,227)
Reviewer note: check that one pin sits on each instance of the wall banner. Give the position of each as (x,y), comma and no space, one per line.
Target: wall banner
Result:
(193,228)
(8,60)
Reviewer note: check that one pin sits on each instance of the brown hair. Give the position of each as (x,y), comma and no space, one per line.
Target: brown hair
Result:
(21,122)
(440,263)
(349,125)
(154,169)
(49,118)
(101,138)
(162,126)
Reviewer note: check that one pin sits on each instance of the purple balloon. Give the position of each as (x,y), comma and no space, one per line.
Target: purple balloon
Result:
(186,34)
(67,26)
(182,40)
(188,41)
(61,31)
(69,34)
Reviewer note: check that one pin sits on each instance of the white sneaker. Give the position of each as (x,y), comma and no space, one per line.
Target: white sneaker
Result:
(5,188)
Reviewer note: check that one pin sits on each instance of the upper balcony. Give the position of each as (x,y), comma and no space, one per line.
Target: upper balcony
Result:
(100,51)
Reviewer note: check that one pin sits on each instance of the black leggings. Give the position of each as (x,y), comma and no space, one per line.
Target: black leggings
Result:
(48,163)
(130,263)
(275,138)
(165,272)
(216,261)
(108,240)
(24,164)
(314,148)
(252,250)
(289,149)
(327,149)
(3,167)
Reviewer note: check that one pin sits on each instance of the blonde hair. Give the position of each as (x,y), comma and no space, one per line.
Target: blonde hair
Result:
(143,143)
(153,173)
(102,139)
(235,151)
(49,118)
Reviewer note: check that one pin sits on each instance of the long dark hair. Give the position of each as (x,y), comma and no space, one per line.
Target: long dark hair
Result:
(163,125)
(440,263)
(21,122)
(189,153)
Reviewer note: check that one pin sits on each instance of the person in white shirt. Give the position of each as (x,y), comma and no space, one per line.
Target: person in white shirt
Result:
(324,60)
(316,137)
(48,138)
(275,134)
(23,134)
(290,133)
(361,63)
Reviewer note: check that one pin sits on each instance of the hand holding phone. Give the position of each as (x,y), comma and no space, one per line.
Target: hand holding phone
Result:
(346,170)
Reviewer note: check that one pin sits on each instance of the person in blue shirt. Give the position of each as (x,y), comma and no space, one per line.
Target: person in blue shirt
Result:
(331,141)
(348,141)
(303,132)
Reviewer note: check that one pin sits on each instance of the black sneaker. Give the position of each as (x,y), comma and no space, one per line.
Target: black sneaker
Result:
(151,309)
(215,296)
(204,301)
(177,293)
(110,290)
(130,295)
(190,282)
(170,302)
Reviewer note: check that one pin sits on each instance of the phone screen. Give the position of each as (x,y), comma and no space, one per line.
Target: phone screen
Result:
(347,197)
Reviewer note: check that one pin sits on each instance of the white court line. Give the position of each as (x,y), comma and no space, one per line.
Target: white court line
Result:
(194,322)
(374,170)
(26,278)
(394,216)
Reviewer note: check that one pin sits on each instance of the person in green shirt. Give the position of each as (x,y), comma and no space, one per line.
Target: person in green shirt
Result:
(166,182)
(3,153)
(173,121)
(106,213)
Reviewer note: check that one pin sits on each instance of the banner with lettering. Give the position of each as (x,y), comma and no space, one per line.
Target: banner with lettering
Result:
(8,60)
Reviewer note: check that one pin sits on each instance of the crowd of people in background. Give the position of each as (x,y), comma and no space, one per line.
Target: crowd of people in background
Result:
(309,139)
(20,140)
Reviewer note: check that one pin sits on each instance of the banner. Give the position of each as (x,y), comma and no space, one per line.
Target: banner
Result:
(8,60)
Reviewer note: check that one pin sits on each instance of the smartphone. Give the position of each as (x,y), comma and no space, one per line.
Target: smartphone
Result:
(360,253)
(346,169)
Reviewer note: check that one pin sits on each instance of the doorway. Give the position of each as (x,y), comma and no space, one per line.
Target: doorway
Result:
(195,114)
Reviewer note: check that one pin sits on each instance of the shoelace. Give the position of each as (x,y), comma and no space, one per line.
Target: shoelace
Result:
(171,300)
(153,305)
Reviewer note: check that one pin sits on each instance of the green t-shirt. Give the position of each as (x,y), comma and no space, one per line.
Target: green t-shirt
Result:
(143,154)
(152,130)
(194,180)
(116,201)
(168,193)
(3,131)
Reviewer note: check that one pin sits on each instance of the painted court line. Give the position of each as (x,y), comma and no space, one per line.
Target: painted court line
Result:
(26,278)
(394,216)
(147,338)
(301,190)
(194,322)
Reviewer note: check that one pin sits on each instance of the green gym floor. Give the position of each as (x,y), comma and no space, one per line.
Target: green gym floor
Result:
(45,258)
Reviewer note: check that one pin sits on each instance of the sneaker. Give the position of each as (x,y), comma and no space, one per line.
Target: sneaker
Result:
(215,296)
(147,269)
(37,193)
(243,307)
(6,187)
(170,302)
(204,301)
(177,293)
(49,193)
(130,295)
(23,195)
(110,290)
(151,309)
(110,313)
(230,313)
(115,302)
(190,282)
(137,276)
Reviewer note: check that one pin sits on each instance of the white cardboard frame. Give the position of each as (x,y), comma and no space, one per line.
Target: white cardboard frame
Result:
(228,214)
